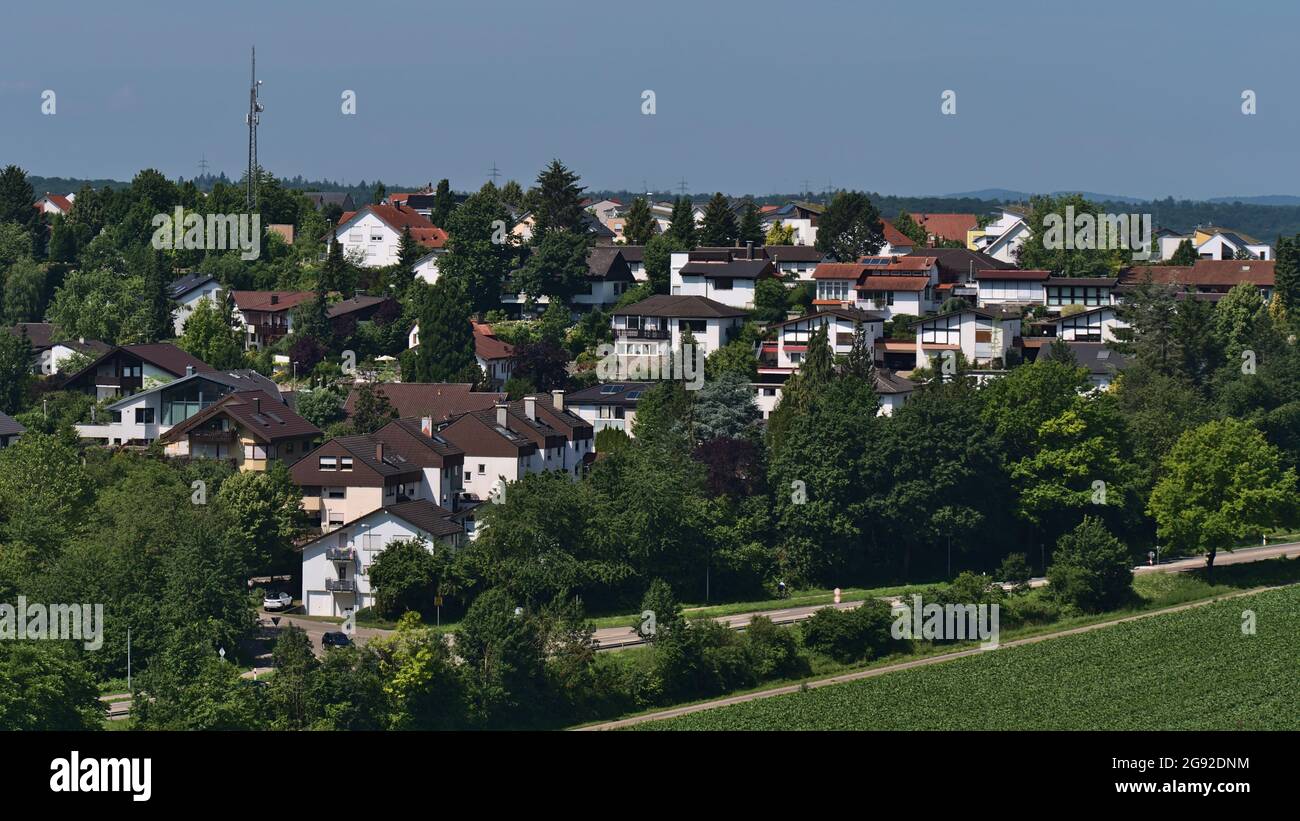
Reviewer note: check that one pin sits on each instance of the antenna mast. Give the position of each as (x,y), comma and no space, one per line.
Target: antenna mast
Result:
(252,118)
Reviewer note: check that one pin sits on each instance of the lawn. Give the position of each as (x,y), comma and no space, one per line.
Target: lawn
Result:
(1192,670)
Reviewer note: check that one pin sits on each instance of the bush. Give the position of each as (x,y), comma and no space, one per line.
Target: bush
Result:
(1015,571)
(851,635)
(773,651)
(1091,570)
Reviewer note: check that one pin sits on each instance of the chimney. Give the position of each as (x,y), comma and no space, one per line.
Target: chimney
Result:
(426,425)
(749,249)
(257,404)
(189,370)
(275,299)
(502,409)
(557,399)
(379,451)
(530,407)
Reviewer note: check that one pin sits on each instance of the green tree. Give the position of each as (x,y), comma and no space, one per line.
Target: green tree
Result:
(718,226)
(1184,254)
(557,267)
(446,350)
(443,204)
(558,202)
(210,335)
(640,224)
(1088,255)
(405,578)
(661,614)
(1235,316)
(372,409)
(16,198)
(1286,274)
(290,691)
(502,650)
(850,228)
(1091,569)
(422,687)
(480,251)
(1223,483)
(780,234)
(681,223)
(911,229)
(658,259)
(725,408)
(43,686)
(751,225)
(322,406)
(266,505)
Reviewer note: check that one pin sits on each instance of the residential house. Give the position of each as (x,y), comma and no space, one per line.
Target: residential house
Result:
(982,336)
(128,369)
(797,261)
(1094,325)
(494,356)
(373,233)
(142,416)
(634,256)
(946,227)
(50,353)
(1002,238)
(250,428)
(649,331)
(1223,243)
(496,451)
(345,315)
(187,292)
(887,285)
(323,199)
(1010,287)
(802,216)
(610,405)
(608,278)
(336,565)
(726,275)
(1207,279)
(55,204)
(1089,292)
(523,228)
(1103,364)
(350,476)
(266,316)
(896,242)
(957,269)
(10,430)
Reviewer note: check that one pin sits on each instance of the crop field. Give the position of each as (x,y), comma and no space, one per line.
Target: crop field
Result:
(1192,670)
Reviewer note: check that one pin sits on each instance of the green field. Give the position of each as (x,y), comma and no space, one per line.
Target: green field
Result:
(1192,670)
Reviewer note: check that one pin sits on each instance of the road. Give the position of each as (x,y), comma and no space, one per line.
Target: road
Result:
(617,638)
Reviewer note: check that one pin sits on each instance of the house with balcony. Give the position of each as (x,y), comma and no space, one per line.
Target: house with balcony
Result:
(127,369)
(250,428)
(140,418)
(982,336)
(726,275)
(266,316)
(648,332)
(1087,292)
(885,285)
(1008,288)
(350,476)
(336,565)
(10,430)
(1095,325)
(610,405)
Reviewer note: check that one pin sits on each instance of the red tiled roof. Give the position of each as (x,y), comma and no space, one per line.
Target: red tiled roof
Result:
(948,226)
(1219,272)
(399,217)
(896,237)
(437,399)
(59,200)
(262,300)
(487,346)
(838,270)
(893,283)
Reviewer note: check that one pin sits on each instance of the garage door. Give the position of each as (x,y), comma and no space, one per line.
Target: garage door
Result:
(319,604)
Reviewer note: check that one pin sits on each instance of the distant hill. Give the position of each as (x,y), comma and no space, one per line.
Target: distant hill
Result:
(1007,195)
(1270,199)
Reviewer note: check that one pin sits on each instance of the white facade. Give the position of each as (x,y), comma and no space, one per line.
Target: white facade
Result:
(369,239)
(1090,326)
(980,337)
(188,301)
(426,267)
(342,558)
(996,292)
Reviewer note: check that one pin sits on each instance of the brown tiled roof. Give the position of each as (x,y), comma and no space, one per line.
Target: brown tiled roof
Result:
(1212,272)
(269,300)
(896,237)
(948,226)
(257,413)
(168,357)
(9,426)
(573,427)
(424,514)
(477,434)
(439,400)
(737,268)
(892,283)
(408,438)
(357,303)
(606,262)
(59,200)
(909,262)
(839,270)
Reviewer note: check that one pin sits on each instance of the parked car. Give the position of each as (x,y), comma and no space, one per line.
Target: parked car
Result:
(335,639)
(277,601)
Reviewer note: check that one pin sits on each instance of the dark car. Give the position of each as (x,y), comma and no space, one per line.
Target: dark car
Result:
(336,638)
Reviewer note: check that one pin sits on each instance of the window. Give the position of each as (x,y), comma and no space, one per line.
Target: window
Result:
(117,416)
(345,463)
(144,416)
(336,493)
(329,463)
(288,448)
(722,284)
(376,236)
(482,469)
(695,326)
(983,336)
(354,236)
(837,289)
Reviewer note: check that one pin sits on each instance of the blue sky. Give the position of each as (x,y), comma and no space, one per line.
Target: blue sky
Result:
(1142,99)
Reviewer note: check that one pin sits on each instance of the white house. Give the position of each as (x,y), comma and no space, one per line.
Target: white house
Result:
(801,216)
(1003,236)
(982,336)
(608,278)
(55,204)
(654,327)
(610,405)
(998,287)
(336,565)
(187,292)
(1089,292)
(726,275)
(886,285)
(373,233)
(426,267)
(798,261)
(1095,325)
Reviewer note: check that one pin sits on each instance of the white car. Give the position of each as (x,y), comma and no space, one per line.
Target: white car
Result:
(277,601)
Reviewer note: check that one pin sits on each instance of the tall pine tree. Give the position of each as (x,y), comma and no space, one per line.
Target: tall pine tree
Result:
(446,350)
(681,224)
(640,225)
(718,227)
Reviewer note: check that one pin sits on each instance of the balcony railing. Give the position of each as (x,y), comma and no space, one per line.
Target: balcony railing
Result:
(616,424)
(341,554)
(341,585)
(642,333)
(215,436)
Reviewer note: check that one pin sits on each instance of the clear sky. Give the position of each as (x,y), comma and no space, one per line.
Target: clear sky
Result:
(1135,98)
